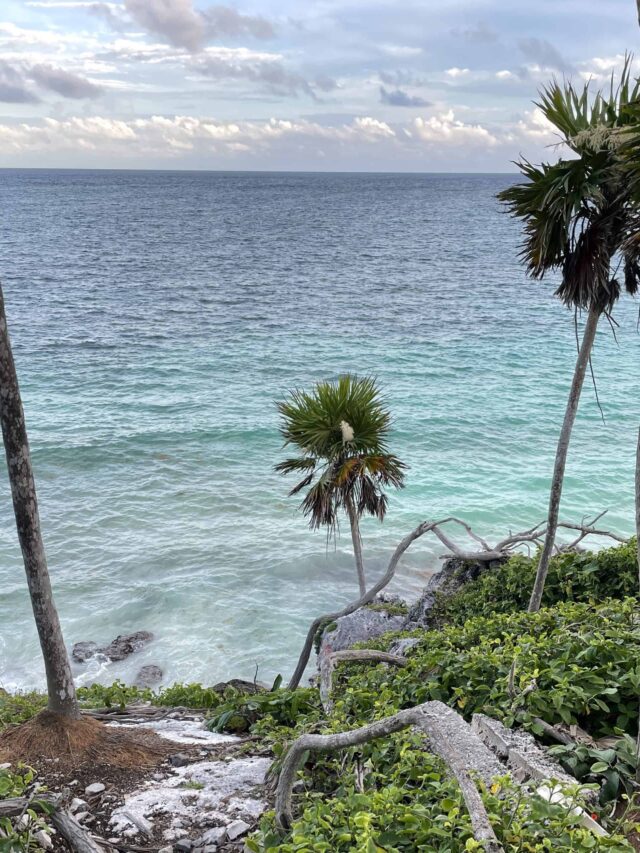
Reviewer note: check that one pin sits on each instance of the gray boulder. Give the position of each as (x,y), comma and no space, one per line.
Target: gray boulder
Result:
(455,573)
(365,624)
(149,675)
(118,649)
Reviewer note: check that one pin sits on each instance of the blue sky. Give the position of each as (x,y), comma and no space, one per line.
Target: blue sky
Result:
(429,85)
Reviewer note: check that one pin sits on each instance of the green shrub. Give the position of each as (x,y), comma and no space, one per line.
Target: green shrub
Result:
(19,836)
(19,707)
(588,576)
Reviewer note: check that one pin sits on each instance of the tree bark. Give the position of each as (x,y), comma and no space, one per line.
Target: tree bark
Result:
(428,718)
(638,499)
(582,363)
(357,545)
(62,695)
(305,654)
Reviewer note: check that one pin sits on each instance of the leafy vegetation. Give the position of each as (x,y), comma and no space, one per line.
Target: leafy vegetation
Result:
(586,576)
(18,835)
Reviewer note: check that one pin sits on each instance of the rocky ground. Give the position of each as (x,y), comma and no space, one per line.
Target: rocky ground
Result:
(205,797)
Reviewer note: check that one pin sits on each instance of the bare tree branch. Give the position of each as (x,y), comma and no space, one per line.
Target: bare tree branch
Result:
(358,655)
(428,717)
(76,836)
(501,551)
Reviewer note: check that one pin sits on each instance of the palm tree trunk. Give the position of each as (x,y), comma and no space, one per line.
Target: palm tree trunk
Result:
(62,694)
(582,363)
(357,545)
(638,507)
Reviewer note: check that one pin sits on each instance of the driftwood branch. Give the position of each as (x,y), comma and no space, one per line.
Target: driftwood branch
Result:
(504,549)
(368,597)
(426,717)
(353,655)
(75,835)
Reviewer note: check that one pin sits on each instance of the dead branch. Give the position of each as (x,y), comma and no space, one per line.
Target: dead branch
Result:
(358,655)
(504,549)
(75,835)
(553,732)
(428,718)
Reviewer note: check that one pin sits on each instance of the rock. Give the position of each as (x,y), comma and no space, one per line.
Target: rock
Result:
(126,644)
(455,573)
(183,846)
(520,749)
(5,766)
(402,646)
(213,836)
(241,686)
(94,789)
(118,649)
(44,840)
(149,675)
(81,652)
(77,805)
(165,850)
(178,760)
(365,624)
(237,829)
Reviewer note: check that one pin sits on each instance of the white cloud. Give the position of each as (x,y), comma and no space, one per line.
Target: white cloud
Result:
(445,128)
(457,72)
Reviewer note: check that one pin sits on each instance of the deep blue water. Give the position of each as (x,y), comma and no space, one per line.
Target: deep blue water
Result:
(155,318)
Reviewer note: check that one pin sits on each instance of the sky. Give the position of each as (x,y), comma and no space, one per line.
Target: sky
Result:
(318,85)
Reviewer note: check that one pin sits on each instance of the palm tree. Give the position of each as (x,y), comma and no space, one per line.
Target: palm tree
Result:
(62,695)
(578,215)
(340,429)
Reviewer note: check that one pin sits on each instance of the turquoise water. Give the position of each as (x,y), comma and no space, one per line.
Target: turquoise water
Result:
(155,318)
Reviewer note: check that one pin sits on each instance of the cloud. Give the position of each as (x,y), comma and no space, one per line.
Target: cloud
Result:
(13,86)
(446,128)
(63,82)
(543,53)
(15,82)
(186,27)
(478,34)
(220,63)
(400,98)
(455,73)
(171,136)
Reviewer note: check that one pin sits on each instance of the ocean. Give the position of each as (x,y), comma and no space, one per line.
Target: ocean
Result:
(155,319)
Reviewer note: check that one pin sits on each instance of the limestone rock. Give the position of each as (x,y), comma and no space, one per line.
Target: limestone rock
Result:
(455,573)
(365,624)
(118,649)
(237,829)
(94,789)
(149,675)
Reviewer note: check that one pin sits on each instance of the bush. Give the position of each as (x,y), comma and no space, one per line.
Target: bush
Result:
(588,576)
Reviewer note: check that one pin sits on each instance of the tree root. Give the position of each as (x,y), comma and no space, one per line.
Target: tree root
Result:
(426,717)
(72,743)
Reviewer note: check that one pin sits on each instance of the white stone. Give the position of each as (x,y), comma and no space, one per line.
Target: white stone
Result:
(44,840)
(94,789)
(226,794)
(212,836)
(77,805)
(236,829)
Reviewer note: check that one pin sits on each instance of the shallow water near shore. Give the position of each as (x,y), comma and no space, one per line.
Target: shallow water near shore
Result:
(155,317)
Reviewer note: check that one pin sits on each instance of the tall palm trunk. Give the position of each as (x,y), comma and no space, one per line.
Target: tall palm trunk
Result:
(357,545)
(638,505)
(62,695)
(582,362)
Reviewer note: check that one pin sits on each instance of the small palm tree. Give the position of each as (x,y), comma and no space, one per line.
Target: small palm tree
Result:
(578,216)
(341,430)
